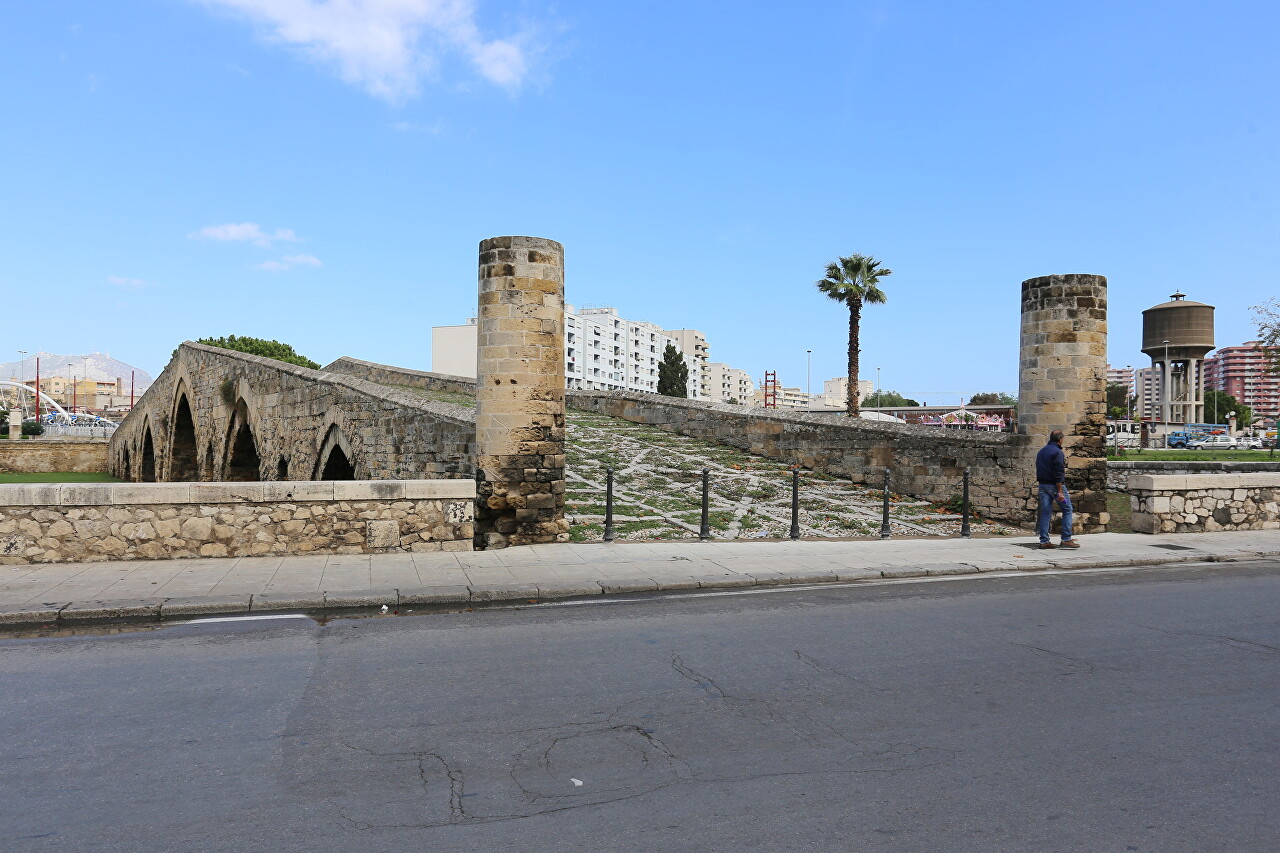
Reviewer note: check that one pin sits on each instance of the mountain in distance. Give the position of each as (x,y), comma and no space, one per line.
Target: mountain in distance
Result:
(101,367)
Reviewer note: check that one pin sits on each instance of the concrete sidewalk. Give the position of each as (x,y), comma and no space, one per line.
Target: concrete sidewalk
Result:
(76,593)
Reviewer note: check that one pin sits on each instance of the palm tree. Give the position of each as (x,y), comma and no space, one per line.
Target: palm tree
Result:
(853,281)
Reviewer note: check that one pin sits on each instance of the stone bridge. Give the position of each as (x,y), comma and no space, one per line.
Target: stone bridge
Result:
(219,415)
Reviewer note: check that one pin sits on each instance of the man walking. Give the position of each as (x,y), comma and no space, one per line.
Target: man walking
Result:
(1051,474)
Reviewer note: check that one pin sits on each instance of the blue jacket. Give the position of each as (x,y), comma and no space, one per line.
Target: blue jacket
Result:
(1051,464)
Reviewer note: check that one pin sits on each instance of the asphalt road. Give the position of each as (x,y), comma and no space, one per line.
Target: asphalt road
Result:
(1125,711)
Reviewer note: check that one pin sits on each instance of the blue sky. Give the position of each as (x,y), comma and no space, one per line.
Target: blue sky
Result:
(320,173)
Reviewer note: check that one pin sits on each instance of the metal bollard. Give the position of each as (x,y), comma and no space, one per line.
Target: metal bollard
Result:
(884,515)
(795,503)
(608,504)
(705,532)
(965,532)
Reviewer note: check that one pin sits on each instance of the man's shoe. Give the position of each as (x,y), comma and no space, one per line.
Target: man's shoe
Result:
(1050,545)
(1069,543)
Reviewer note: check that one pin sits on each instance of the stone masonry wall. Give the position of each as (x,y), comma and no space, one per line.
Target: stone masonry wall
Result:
(1200,503)
(71,522)
(387,375)
(295,419)
(1119,473)
(41,455)
(1062,382)
(925,461)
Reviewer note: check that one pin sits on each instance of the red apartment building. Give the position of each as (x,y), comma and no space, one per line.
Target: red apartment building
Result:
(1242,372)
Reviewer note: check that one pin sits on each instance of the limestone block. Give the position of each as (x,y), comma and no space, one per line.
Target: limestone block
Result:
(199,529)
(218,493)
(382,534)
(136,494)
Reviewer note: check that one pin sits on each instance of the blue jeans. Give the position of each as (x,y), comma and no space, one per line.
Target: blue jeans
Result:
(1048,494)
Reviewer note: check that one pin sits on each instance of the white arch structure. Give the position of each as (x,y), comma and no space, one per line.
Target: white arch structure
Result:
(62,416)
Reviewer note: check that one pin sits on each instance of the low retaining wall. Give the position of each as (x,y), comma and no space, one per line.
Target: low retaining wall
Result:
(1200,503)
(925,461)
(1118,473)
(127,521)
(39,455)
(385,374)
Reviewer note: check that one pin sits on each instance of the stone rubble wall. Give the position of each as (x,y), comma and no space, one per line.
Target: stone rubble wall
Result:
(1118,473)
(927,462)
(387,375)
(1203,503)
(32,456)
(294,414)
(81,522)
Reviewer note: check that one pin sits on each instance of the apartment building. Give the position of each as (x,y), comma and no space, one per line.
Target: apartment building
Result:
(1242,372)
(603,352)
(1146,383)
(835,393)
(1125,376)
(728,384)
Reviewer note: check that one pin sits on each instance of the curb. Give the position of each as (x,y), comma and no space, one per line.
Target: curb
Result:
(79,614)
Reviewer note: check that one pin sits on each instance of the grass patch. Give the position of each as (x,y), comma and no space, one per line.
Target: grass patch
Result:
(586,533)
(1118,506)
(58,477)
(1191,456)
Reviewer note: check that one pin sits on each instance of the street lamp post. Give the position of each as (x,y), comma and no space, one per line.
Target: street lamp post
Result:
(808,376)
(878,401)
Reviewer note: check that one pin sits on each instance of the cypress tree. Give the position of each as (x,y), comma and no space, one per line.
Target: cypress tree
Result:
(673,374)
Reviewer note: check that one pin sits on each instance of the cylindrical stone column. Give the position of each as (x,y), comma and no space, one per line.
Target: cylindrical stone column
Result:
(520,393)
(1062,383)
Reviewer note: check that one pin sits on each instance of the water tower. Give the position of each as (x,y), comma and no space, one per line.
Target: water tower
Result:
(1178,334)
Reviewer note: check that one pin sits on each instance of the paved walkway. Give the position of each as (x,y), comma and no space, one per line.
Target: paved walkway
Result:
(84,592)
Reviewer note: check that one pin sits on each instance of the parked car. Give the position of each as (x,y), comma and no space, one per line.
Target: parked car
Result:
(1245,442)
(1213,442)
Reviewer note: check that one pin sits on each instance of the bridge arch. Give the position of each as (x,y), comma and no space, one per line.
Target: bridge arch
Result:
(242,463)
(336,459)
(147,460)
(184,462)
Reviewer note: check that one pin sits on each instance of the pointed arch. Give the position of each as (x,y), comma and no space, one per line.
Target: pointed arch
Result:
(184,464)
(282,469)
(242,461)
(126,468)
(147,464)
(336,459)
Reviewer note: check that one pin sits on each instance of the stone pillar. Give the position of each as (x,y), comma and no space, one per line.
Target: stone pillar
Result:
(1062,382)
(15,424)
(520,393)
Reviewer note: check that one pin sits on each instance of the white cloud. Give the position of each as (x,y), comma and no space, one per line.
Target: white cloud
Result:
(436,128)
(244,232)
(289,262)
(131,283)
(385,46)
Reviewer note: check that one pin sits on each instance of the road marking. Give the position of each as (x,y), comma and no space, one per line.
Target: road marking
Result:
(261,617)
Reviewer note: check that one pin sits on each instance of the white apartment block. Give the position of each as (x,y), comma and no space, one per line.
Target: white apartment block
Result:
(728,383)
(835,393)
(603,352)
(1125,376)
(1146,383)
